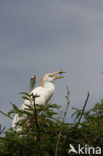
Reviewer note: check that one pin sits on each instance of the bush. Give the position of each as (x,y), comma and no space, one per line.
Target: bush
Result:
(44,132)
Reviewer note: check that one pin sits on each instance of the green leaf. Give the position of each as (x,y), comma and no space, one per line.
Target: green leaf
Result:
(25,97)
(11,112)
(24,93)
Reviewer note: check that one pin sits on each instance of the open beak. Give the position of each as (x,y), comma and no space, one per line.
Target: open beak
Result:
(57,77)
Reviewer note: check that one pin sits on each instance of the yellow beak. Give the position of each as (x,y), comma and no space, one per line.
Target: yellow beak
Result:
(58,72)
(33,77)
(58,77)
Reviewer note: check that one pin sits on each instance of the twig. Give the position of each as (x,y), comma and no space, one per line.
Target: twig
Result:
(5,114)
(94,140)
(63,119)
(71,139)
(1,131)
(36,119)
(67,106)
(83,110)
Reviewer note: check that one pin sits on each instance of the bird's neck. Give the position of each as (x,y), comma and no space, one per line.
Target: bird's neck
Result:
(31,87)
(49,85)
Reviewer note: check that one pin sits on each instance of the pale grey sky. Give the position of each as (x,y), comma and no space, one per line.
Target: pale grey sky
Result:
(41,36)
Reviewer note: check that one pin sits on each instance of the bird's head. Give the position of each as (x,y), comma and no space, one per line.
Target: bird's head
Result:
(32,83)
(50,77)
(33,77)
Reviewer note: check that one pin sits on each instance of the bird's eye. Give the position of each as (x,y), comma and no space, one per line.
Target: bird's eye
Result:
(49,75)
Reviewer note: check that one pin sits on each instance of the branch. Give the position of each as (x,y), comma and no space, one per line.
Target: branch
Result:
(83,109)
(36,119)
(63,119)
(1,131)
(94,140)
(67,106)
(5,114)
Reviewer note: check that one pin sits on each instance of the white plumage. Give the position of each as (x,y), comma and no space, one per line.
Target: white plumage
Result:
(16,117)
(45,91)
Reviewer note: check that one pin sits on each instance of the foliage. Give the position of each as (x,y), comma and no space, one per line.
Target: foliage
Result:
(40,130)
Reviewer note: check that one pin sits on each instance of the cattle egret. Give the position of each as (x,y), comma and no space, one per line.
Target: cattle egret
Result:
(45,92)
(31,87)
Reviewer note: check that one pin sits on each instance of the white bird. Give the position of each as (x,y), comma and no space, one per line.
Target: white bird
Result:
(32,83)
(45,92)
(31,87)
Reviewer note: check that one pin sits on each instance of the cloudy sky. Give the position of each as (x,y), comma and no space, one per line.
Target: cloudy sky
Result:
(41,36)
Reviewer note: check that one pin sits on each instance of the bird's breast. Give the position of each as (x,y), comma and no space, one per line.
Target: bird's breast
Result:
(48,96)
(44,93)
